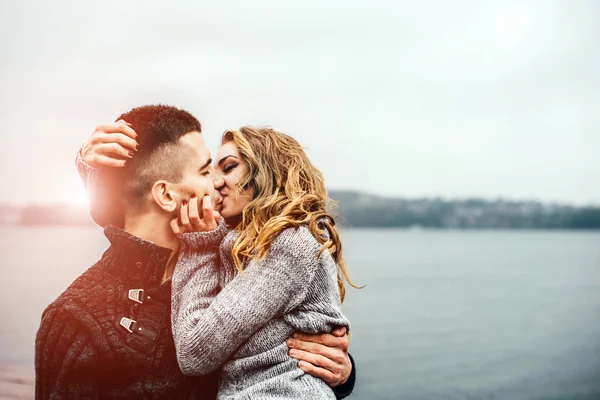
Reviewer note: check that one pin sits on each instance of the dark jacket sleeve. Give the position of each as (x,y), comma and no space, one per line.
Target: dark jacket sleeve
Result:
(102,185)
(346,389)
(63,356)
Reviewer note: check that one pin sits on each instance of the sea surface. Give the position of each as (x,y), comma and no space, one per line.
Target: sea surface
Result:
(444,314)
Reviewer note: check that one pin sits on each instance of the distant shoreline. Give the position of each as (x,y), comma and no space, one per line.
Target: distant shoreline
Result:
(92,225)
(358,210)
(17,381)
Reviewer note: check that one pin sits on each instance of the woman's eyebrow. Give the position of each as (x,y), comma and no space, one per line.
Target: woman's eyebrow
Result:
(222,160)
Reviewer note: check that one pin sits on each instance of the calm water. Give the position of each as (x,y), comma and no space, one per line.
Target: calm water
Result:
(445,315)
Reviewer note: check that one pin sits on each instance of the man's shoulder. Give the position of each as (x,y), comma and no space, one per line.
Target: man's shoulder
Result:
(87,288)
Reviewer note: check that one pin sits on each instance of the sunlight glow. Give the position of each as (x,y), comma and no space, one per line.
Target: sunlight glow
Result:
(78,196)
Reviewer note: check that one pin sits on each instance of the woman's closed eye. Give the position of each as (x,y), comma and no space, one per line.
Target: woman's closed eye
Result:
(229,168)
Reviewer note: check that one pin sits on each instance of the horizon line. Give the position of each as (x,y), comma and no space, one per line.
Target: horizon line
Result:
(498,198)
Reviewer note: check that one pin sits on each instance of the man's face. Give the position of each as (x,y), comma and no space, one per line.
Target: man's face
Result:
(198,176)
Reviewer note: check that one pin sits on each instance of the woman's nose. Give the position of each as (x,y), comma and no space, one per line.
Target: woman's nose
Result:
(218,180)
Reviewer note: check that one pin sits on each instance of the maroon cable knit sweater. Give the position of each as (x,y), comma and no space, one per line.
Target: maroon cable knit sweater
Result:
(84,347)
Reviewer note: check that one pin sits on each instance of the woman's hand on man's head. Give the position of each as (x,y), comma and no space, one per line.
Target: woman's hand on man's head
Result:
(111,145)
(323,355)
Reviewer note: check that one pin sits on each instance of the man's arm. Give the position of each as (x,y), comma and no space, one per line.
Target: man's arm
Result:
(344,390)
(62,355)
(326,356)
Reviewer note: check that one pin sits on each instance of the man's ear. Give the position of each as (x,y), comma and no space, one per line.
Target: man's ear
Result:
(164,195)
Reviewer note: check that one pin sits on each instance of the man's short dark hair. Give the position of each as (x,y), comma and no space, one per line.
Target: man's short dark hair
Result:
(159,156)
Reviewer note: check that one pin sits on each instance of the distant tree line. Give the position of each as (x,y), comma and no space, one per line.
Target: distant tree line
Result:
(363,210)
(360,210)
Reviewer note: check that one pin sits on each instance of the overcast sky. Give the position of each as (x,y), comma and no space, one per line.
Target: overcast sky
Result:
(403,98)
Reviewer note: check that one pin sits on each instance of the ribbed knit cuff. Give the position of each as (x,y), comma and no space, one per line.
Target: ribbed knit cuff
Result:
(198,240)
(83,167)
(346,389)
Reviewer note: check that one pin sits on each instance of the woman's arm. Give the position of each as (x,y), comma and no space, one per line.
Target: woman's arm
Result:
(85,170)
(210,331)
(199,249)
(104,204)
(105,150)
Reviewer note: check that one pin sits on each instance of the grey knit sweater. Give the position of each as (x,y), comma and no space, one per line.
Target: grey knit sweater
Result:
(240,322)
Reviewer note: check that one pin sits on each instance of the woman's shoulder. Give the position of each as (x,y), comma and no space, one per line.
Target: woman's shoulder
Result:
(296,240)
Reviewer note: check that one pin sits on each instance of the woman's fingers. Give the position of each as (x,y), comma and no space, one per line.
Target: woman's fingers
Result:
(184,218)
(124,122)
(99,160)
(175,227)
(117,127)
(194,215)
(112,149)
(106,154)
(117,138)
(106,142)
(208,213)
(190,219)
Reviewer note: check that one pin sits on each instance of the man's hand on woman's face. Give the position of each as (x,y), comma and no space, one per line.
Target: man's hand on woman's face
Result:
(110,145)
(323,355)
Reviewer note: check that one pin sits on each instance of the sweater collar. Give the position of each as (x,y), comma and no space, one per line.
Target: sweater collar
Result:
(141,260)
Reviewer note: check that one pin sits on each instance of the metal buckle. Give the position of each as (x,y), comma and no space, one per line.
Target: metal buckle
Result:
(127,323)
(136,295)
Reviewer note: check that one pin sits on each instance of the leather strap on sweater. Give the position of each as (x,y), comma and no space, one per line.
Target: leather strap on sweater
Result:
(133,327)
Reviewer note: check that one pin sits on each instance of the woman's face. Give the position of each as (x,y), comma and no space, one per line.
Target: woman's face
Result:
(230,165)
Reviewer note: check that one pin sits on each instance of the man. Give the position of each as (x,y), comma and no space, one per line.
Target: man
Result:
(109,335)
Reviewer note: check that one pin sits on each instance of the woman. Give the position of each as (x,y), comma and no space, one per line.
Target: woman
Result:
(281,270)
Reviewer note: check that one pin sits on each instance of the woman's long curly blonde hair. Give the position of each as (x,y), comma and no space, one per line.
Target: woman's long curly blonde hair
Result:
(288,192)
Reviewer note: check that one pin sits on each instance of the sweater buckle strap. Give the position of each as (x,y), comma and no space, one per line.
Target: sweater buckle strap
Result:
(133,327)
(139,296)
(136,295)
(127,323)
